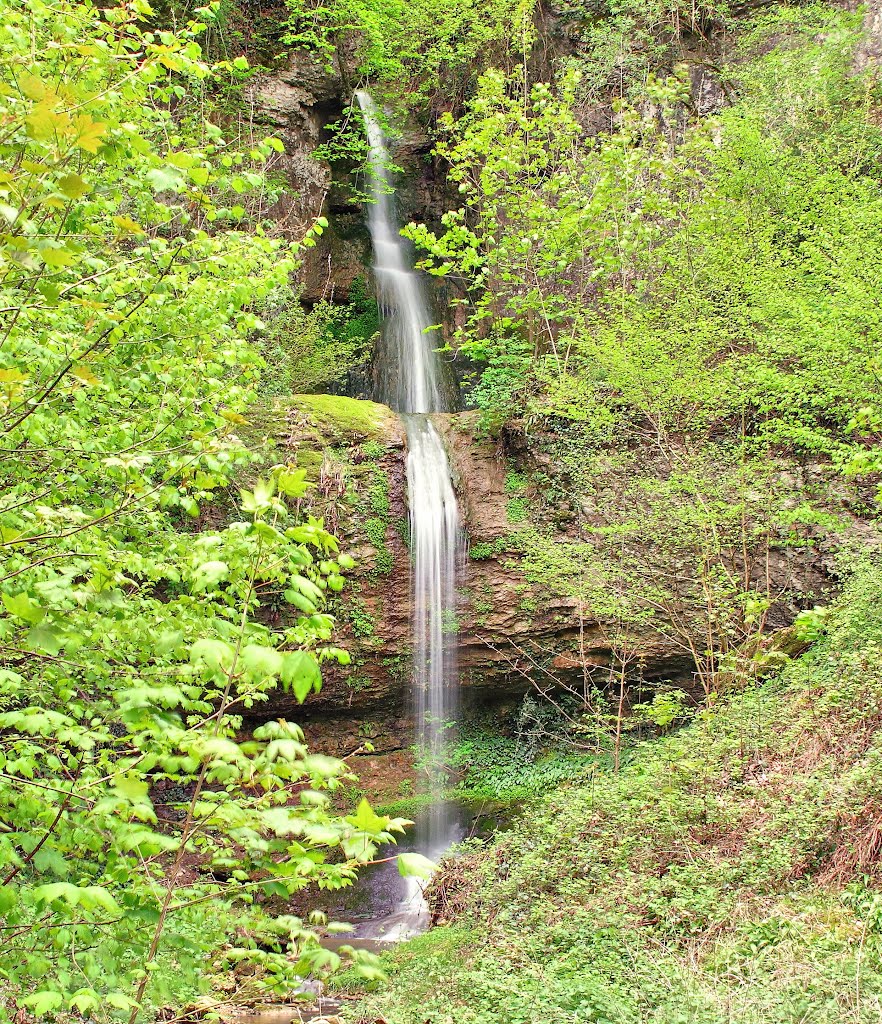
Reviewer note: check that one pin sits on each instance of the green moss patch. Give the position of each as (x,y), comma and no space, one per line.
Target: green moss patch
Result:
(342,419)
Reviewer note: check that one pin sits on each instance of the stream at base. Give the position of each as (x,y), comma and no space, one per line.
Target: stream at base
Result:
(382,906)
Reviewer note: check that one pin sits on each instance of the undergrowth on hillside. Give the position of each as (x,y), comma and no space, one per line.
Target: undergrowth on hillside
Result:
(729,873)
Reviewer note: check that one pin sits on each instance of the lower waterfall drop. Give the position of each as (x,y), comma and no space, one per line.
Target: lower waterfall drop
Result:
(410,381)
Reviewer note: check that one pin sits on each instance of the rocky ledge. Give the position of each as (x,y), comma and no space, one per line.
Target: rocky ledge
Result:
(517,631)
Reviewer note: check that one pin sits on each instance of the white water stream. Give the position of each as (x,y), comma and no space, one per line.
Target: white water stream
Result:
(410,380)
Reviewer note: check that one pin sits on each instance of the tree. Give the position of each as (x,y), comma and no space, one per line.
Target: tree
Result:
(133,269)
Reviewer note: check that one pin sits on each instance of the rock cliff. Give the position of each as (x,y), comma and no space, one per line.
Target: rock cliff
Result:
(514,633)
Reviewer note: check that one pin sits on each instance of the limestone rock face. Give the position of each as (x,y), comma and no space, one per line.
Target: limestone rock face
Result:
(513,636)
(294,104)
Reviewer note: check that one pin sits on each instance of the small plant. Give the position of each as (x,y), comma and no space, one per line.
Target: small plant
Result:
(516,510)
(515,483)
(372,449)
(449,622)
(666,708)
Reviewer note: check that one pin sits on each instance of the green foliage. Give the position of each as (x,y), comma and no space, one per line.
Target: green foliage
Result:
(516,510)
(692,274)
(376,505)
(501,768)
(515,483)
(490,549)
(375,529)
(431,49)
(362,621)
(726,873)
(141,830)
(313,349)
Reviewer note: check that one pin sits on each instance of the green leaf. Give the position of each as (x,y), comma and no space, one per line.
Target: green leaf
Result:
(8,898)
(120,1001)
(57,256)
(45,638)
(299,601)
(43,1002)
(83,1000)
(169,641)
(23,607)
(261,662)
(164,179)
(10,682)
(366,819)
(70,894)
(282,821)
(307,588)
(210,573)
(300,672)
(132,787)
(292,482)
(199,175)
(73,186)
(415,865)
(215,654)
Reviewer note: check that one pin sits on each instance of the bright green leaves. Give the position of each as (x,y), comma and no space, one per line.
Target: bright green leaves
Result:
(415,865)
(88,897)
(73,186)
(44,1002)
(367,830)
(215,654)
(292,483)
(261,662)
(165,179)
(45,639)
(8,898)
(301,674)
(261,499)
(135,611)
(23,607)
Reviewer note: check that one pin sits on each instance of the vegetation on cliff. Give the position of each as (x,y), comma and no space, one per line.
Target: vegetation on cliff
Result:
(693,279)
(729,872)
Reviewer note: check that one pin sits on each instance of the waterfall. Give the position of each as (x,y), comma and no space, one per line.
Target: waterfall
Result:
(410,380)
(409,371)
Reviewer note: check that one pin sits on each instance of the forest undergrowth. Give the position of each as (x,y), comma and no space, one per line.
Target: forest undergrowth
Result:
(730,872)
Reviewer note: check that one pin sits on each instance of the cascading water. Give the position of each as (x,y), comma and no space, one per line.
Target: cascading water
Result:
(410,381)
(409,378)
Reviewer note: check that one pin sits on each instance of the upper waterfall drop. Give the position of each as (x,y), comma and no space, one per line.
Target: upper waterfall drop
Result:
(410,371)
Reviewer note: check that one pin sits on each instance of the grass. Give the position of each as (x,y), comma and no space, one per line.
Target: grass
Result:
(730,873)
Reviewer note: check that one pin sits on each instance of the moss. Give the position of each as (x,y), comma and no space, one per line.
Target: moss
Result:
(407,806)
(346,419)
(322,421)
(309,459)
